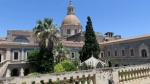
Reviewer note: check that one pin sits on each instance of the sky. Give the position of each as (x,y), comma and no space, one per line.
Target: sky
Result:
(123,17)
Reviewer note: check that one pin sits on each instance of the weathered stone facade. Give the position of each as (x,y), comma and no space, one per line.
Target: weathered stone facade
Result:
(129,51)
(13,34)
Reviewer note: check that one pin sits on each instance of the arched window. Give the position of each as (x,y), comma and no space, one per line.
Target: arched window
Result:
(108,53)
(21,39)
(109,64)
(116,53)
(123,52)
(144,53)
(131,52)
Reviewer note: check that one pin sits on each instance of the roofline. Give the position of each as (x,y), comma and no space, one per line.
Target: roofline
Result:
(127,39)
(17,44)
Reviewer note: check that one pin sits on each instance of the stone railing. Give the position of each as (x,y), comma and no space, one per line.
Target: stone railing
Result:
(83,77)
(136,74)
(126,58)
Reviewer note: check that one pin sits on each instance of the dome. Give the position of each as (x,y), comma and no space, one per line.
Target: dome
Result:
(71,20)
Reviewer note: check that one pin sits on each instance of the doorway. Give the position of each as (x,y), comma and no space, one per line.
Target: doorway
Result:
(15,72)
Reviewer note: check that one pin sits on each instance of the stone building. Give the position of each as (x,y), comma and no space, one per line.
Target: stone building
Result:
(13,52)
(127,51)
(115,51)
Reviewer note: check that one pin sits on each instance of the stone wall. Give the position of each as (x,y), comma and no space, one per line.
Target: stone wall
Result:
(137,74)
(12,34)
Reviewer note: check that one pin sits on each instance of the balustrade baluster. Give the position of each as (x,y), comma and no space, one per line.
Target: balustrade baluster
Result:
(138,74)
(123,77)
(141,73)
(91,82)
(120,77)
(129,76)
(148,71)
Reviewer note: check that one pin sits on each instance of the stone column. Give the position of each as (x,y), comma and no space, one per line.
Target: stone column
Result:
(115,76)
(8,73)
(8,54)
(21,72)
(22,54)
(2,57)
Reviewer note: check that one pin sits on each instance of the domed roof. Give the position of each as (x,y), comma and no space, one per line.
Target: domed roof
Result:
(71,20)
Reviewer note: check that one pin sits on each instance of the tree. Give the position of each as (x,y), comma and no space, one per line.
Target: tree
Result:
(60,51)
(91,46)
(45,32)
(33,59)
(40,63)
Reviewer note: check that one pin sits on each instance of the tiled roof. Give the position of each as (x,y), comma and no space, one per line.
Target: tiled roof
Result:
(73,44)
(2,39)
(17,44)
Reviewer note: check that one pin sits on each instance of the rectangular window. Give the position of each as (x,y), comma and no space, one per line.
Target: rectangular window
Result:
(108,53)
(15,55)
(101,55)
(115,53)
(75,31)
(132,52)
(68,31)
(27,56)
(123,53)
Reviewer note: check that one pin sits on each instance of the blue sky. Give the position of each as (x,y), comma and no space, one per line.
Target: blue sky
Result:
(123,17)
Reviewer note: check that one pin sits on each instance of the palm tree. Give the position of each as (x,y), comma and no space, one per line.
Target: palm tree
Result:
(60,51)
(45,32)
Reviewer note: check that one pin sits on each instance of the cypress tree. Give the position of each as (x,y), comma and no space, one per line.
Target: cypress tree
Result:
(91,46)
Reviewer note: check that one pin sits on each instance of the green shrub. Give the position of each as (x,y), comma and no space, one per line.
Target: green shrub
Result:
(59,68)
(65,66)
(68,66)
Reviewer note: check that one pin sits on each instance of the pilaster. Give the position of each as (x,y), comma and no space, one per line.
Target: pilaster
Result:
(8,73)
(8,54)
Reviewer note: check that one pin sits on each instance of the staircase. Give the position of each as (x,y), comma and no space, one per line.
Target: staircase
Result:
(3,67)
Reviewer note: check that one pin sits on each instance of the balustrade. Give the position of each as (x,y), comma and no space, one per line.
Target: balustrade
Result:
(133,73)
(77,80)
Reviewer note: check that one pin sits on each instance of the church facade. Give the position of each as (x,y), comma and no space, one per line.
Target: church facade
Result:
(115,51)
